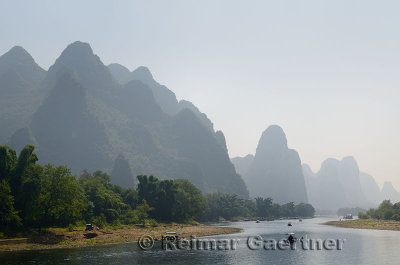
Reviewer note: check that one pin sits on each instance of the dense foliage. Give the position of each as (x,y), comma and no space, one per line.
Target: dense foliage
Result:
(32,195)
(230,206)
(36,196)
(385,211)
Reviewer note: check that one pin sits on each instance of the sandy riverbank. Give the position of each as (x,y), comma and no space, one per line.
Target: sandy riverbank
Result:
(61,239)
(367,224)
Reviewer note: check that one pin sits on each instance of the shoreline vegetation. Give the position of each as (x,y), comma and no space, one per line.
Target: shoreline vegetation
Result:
(385,217)
(55,238)
(34,199)
(373,224)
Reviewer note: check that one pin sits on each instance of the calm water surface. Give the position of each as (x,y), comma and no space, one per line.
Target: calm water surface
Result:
(360,247)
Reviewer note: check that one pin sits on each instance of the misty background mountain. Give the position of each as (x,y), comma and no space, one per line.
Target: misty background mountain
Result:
(87,116)
(20,78)
(277,171)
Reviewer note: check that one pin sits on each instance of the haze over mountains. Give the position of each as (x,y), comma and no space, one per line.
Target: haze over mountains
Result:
(85,115)
(276,171)
(370,188)
(340,184)
(163,96)
(88,116)
(389,192)
(20,78)
(336,185)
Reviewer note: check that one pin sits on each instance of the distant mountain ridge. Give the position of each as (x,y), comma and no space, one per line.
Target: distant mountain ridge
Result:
(20,96)
(388,192)
(242,164)
(275,170)
(343,181)
(370,188)
(360,191)
(338,183)
(22,63)
(163,95)
(86,119)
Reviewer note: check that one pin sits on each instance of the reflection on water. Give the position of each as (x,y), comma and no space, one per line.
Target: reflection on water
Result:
(360,247)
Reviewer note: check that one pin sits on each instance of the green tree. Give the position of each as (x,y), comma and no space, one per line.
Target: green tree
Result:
(142,212)
(32,207)
(263,207)
(130,197)
(221,205)
(304,210)
(148,189)
(287,210)
(101,196)
(158,194)
(26,159)
(8,160)
(62,196)
(9,219)
(189,202)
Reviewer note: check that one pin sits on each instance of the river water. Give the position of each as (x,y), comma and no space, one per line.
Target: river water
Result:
(359,247)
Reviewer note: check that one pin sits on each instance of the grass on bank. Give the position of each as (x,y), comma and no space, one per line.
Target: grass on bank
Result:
(367,224)
(63,237)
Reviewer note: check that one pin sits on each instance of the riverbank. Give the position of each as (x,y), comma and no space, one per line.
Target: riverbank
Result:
(367,224)
(58,238)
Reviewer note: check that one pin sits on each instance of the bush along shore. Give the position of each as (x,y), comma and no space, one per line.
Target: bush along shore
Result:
(47,205)
(385,217)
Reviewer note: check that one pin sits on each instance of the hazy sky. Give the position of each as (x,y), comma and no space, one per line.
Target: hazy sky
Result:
(327,72)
